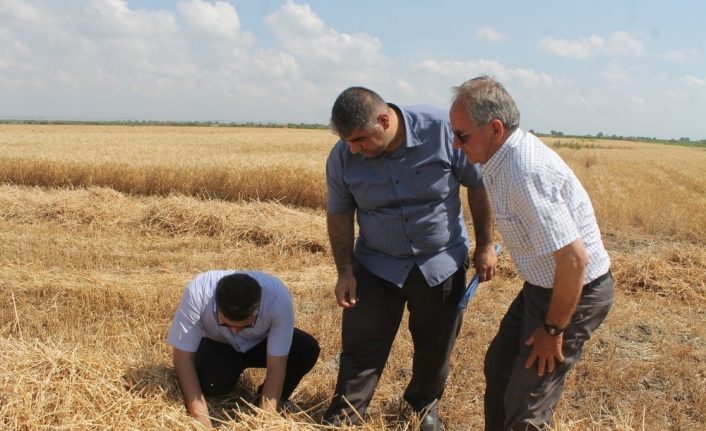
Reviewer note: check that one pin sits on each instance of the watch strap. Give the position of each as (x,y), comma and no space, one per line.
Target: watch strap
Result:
(552,330)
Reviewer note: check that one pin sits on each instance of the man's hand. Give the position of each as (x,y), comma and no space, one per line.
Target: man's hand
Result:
(485,261)
(345,291)
(274,382)
(571,263)
(545,350)
(190,387)
(268,404)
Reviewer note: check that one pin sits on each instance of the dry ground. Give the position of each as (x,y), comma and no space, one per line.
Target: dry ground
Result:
(102,227)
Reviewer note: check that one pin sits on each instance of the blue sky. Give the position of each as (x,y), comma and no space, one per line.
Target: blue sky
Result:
(630,68)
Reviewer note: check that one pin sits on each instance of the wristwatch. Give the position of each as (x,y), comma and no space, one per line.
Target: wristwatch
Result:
(552,330)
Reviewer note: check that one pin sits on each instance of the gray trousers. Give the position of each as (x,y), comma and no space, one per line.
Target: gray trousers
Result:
(369,329)
(517,398)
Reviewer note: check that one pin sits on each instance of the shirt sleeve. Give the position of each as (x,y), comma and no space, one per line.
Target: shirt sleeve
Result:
(540,203)
(340,199)
(279,340)
(186,329)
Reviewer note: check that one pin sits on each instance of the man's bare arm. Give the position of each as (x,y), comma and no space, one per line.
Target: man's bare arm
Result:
(189,384)
(484,258)
(274,381)
(340,235)
(341,232)
(571,264)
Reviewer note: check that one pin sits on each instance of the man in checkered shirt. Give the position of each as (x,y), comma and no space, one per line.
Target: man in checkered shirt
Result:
(549,228)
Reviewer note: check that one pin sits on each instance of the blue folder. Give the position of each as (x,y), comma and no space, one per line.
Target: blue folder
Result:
(473,285)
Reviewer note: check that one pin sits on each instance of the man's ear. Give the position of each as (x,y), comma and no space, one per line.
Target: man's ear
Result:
(384,120)
(498,129)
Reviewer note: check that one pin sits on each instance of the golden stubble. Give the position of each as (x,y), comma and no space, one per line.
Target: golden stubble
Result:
(92,273)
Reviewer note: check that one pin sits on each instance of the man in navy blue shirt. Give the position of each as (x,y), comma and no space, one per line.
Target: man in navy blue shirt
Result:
(395,167)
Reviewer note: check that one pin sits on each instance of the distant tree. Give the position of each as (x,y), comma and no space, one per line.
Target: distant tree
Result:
(599,135)
(532,131)
(684,139)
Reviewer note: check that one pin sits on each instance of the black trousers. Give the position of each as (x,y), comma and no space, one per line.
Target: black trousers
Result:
(517,398)
(219,365)
(369,329)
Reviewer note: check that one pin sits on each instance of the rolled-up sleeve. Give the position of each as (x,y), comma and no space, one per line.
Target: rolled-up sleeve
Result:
(186,330)
(340,199)
(279,339)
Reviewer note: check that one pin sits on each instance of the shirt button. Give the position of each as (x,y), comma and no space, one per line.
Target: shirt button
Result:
(397,181)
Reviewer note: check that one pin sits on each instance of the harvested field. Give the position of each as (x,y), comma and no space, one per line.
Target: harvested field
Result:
(102,227)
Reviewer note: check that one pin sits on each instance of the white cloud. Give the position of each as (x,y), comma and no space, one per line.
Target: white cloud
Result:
(458,72)
(693,81)
(678,94)
(581,48)
(463,69)
(301,32)
(218,21)
(195,56)
(328,59)
(20,10)
(490,34)
(622,43)
(529,79)
(584,103)
(635,103)
(673,56)
(615,73)
(619,43)
(407,89)
(199,60)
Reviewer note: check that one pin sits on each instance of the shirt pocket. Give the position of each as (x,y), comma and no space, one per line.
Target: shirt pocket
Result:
(514,233)
(431,181)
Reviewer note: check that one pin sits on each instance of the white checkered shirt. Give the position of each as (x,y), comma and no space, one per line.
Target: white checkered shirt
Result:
(540,207)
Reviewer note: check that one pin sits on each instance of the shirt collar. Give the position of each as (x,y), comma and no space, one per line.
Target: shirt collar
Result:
(411,139)
(492,166)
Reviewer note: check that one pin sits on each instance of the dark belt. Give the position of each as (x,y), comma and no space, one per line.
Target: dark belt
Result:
(598,280)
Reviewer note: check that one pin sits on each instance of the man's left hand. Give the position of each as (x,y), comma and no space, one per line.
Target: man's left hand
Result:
(485,261)
(545,350)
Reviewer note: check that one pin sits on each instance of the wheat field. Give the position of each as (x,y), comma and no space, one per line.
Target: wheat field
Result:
(103,226)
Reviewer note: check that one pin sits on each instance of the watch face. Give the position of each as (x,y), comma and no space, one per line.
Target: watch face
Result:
(552,330)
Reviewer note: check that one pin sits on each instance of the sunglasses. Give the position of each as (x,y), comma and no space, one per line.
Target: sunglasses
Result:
(462,136)
(225,325)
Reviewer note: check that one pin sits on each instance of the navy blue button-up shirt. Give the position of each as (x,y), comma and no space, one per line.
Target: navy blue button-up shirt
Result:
(408,202)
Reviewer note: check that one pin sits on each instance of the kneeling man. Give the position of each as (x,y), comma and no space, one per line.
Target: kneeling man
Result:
(228,321)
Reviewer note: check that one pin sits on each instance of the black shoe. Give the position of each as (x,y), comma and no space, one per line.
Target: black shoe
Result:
(430,421)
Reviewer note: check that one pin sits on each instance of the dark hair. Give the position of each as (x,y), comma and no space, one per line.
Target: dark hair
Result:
(485,100)
(238,296)
(356,108)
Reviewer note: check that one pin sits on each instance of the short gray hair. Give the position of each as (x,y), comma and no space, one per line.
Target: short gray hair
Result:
(356,108)
(485,100)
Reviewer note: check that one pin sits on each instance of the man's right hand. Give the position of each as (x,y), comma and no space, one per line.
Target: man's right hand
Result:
(345,291)
(189,384)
